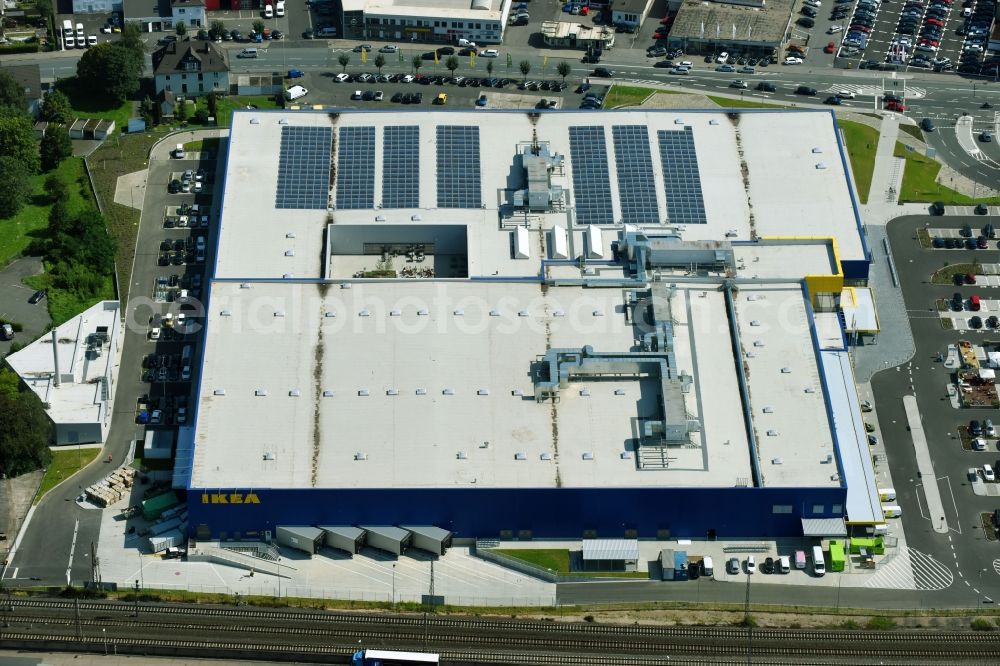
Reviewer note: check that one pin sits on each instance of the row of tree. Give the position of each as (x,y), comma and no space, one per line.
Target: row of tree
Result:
(453,63)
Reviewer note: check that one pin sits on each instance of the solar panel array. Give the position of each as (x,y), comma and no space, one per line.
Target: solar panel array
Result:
(304,167)
(681,178)
(636,184)
(458,171)
(356,168)
(592,191)
(401,166)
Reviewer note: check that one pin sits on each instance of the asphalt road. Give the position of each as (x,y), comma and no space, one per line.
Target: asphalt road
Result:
(56,547)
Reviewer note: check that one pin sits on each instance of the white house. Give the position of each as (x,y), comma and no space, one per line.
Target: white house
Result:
(190,68)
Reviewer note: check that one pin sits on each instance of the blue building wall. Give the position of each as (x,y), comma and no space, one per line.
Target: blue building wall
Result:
(546,512)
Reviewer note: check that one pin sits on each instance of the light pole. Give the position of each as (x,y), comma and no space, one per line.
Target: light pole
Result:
(104,632)
(279,576)
(393,583)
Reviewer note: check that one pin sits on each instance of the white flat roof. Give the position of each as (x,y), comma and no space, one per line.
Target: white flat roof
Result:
(77,399)
(787,397)
(858,305)
(785,260)
(429,400)
(467,9)
(790,196)
(797,179)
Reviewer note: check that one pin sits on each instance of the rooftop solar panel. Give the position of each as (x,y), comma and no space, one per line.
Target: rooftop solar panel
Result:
(356,168)
(681,177)
(591,189)
(304,168)
(458,171)
(401,166)
(636,184)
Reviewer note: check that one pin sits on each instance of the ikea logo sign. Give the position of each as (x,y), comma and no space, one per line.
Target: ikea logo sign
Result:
(229,498)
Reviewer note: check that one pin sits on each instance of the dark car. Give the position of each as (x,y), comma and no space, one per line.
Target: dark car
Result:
(37,296)
(966,230)
(806,22)
(767,566)
(694,570)
(446,51)
(982,209)
(765,86)
(174,187)
(937,208)
(832,100)
(937,242)
(603,72)
(957,302)
(805,90)
(927,125)
(982,243)
(975,322)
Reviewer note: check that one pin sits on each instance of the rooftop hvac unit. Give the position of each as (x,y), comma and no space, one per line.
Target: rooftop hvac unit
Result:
(546,456)
(226,313)
(394,313)
(288,276)
(422,313)
(755,322)
(461,455)
(294,393)
(289,253)
(459,313)
(219,391)
(345,285)
(520,455)
(260,393)
(522,313)
(713,121)
(758,343)
(772,433)
(588,455)
(786,370)
(244,285)
(363,393)
(598,313)
(448,391)
(279,313)
(769,410)
(364,313)
(585,393)
(290,234)
(777,461)
(328,393)
(360,456)
(517,393)
(483,391)
(558,313)
(421,391)
(619,391)
(392,391)
(269,456)
(330,313)
(494,313)
(810,390)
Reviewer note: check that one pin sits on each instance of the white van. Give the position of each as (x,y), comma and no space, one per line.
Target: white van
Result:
(79,32)
(466,42)
(69,41)
(179,151)
(892,511)
(800,559)
(67,28)
(268,11)
(295,92)
(279,8)
(819,562)
(247,53)
(886,495)
(707,567)
(784,564)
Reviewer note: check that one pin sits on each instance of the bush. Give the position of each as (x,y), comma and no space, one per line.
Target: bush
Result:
(982,624)
(881,623)
(19,47)
(15,187)
(201,116)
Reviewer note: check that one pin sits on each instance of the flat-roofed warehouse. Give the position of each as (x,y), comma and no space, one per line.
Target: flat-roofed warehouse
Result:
(754,27)
(587,332)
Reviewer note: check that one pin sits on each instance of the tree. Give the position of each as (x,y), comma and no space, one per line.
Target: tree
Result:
(379,62)
(417,62)
(201,116)
(452,64)
(181,28)
(563,68)
(25,432)
(56,108)
(55,147)
(489,67)
(131,40)
(14,187)
(216,29)
(56,188)
(525,69)
(212,102)
(146,110)
(181,110)
(258,26)
(111,71)
(12,99)
(17,141)
(344,60)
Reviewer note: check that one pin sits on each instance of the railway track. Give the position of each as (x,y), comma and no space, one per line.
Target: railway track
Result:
(318,635)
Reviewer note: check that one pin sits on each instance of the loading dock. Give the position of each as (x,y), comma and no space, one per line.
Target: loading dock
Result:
(344,537)
(432,539)
(307,539)
(393,540)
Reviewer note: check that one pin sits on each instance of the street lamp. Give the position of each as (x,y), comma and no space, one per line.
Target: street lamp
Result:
(393,583)
(104,632)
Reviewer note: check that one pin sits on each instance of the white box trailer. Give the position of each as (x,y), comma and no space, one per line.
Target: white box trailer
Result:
(393,540)
(432,539)
(305,538)
(346,537)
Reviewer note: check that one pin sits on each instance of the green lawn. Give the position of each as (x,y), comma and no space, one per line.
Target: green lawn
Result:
(210,144)
(554,559)
(947,274)
(730,103)
(18,232)
(862,142)
(226,106)
(64,465)
(126,154)
(919,181)
(85,106)
(63,305)
(913,131)
(621,96)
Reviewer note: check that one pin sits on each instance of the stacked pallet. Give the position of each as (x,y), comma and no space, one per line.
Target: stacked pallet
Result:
(112,488)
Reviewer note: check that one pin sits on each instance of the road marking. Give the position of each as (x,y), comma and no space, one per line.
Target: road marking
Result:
(72,550)
(15,572)
(912,570)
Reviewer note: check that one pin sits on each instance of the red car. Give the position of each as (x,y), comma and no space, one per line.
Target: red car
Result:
(666,20)
(862,28)
(895,106)
(933,21)
(829,48)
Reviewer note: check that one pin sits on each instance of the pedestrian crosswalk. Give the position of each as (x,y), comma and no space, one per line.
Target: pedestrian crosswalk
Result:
(912,570)
(868,90)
